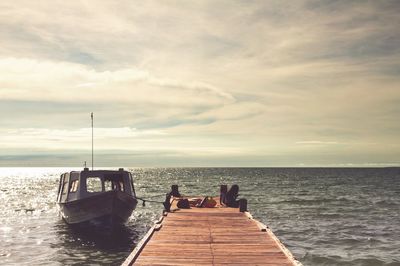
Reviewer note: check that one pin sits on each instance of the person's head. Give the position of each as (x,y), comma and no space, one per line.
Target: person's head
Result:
(234,190)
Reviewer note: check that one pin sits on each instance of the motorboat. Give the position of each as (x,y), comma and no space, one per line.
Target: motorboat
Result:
(96,197)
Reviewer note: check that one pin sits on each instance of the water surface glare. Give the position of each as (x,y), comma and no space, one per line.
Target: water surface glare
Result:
(325,216)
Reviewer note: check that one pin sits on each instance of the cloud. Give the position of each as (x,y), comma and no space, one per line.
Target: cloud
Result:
(24,79)
(316,142)
(233,111)
(77,139)
(269,78)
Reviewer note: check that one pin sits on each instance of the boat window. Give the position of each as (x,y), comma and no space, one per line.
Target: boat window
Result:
(131,182)
(61,182)
(65,188)
(60,186)
(93,184)
(117,185)
(74,186)
(108,185)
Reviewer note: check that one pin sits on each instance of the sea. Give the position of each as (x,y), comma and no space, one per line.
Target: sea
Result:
(324,216)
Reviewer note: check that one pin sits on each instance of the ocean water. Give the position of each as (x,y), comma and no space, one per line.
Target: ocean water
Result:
(325,216)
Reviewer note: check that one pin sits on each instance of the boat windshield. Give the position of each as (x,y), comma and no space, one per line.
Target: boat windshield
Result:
(114,182)
(107,182)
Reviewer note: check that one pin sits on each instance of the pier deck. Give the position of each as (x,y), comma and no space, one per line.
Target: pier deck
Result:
(210,236)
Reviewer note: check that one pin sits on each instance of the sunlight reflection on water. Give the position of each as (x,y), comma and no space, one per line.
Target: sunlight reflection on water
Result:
(325,216)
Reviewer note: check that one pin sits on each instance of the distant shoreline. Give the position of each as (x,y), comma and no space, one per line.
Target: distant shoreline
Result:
(219,167)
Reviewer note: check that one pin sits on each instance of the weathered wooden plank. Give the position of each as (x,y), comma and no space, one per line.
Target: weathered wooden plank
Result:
(252,260)
(211,236)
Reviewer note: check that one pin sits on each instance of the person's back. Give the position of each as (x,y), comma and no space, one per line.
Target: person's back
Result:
(231,196)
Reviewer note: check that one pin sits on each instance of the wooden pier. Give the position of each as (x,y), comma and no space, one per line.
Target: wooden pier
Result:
(209,236)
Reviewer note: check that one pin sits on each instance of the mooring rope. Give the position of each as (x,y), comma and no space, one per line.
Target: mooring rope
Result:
(144,200)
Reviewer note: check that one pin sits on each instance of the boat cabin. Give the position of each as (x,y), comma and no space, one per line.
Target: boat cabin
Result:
(83,184)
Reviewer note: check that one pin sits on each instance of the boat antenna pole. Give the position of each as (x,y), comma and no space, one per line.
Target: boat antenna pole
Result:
(91,115)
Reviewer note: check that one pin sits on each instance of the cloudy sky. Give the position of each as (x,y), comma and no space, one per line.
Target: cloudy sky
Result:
(200,83)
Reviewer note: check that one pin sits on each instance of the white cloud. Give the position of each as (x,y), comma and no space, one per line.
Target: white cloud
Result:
(256,76)
(78,139)
(316,142)
(27,79)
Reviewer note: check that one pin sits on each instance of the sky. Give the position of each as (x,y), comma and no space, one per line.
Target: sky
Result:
(200,83)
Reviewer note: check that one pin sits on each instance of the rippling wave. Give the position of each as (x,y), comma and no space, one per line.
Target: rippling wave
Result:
(324,216)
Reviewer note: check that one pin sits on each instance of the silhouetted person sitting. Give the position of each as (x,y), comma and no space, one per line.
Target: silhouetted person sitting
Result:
(231,197)
(175,191)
